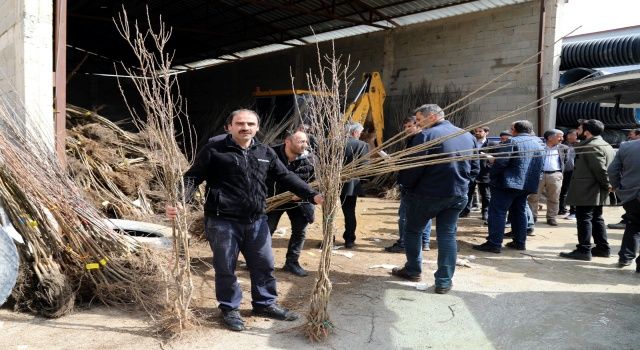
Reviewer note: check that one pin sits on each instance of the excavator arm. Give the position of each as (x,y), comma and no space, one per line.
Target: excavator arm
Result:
(368,104)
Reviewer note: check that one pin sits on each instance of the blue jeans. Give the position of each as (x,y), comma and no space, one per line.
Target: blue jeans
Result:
(402,222)
(530,223)
(503,200)
(421,209)
(229,237)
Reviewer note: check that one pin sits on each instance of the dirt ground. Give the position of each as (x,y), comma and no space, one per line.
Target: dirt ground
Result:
(529,299)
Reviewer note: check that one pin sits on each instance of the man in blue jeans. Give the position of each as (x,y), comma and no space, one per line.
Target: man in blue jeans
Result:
(515,174)
(436,191)
(410,127)
(235,169)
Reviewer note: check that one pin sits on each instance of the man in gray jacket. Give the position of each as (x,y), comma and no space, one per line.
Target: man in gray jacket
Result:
(624,175)
(589,190)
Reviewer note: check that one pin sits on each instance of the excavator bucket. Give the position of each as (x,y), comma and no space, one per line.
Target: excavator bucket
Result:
(368,105)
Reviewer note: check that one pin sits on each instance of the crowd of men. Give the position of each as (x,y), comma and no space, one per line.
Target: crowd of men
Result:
(510,175)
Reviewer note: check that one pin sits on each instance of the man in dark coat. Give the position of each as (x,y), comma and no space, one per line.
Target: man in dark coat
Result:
(589,189)
(436,191)
(235,170)
(294,155)
(624,175)
(354,150)
(482,181)
(515,174)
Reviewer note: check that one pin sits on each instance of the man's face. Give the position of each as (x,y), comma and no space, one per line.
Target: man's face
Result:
(504,138)
(410,127)
(572,137)
(244,126)
(580,132)
(480,133)
(424,120)
(297,144)
(555,139)
(633,136)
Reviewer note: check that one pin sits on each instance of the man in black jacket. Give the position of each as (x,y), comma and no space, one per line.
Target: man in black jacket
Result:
(482,181)
(235,170)
(293,153)
(354,150)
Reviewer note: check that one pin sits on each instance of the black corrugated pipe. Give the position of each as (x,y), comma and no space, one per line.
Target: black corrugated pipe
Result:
(568,114)
(610,52)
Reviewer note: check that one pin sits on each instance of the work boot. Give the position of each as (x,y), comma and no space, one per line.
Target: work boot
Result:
(295,268)
(232,319)
(515,245)
(487,247)
(395,248)
(275,311)
(402,273)
(577,255)
(603,252)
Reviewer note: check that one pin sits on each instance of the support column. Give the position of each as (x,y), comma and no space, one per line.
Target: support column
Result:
(552,30)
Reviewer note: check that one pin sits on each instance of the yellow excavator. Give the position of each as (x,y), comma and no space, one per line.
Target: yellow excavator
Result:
(366,108)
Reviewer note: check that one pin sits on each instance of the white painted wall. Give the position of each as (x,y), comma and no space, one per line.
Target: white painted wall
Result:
(26,61)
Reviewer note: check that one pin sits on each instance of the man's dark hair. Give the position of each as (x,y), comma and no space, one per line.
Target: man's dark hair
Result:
(410,119)
(571,131)
(238,111)
(523,127)
(594,126)
(485,128)
(636,131)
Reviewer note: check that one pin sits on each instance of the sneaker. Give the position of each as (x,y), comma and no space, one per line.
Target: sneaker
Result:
(552,222)
(577,255)
(295,268)
(571,217)
(487,247)
(442,290)
(623,263)
(232,319)
(516,246)
(618,226)
(601,252)
(275,311)
(402,273)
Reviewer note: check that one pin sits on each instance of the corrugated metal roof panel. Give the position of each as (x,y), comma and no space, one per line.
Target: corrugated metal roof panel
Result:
(454,10)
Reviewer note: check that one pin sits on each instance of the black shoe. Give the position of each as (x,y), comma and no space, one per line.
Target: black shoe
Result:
(487,247)
(232,319)
(577,255)
(395,248)
(530,232)
(402,273)
(349,245)
(623,263)
(637,268)
(463,214)
(275,311)
(442,290)
(618,226)
(563,212)
(601,252)
(295,268)
(484,217)
(509,234)
(516,246)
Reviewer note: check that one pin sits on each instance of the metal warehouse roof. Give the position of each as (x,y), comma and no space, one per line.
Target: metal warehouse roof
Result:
(207,33)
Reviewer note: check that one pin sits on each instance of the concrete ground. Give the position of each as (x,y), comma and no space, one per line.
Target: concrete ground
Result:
(525,300)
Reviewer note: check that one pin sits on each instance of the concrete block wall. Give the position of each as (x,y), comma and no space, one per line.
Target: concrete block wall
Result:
(466,51)
(26,60)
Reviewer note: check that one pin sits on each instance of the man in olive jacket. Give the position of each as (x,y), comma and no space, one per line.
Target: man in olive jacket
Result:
(589,190)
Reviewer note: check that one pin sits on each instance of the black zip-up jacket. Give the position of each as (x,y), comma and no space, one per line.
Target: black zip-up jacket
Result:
(236,179)
(301,166)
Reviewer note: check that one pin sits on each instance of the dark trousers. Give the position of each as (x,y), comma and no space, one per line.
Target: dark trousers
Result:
(631,236)
(227,238)
(485,197)
(298,230)
(566,180)
(515,202)
(349,212)
(590,223)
